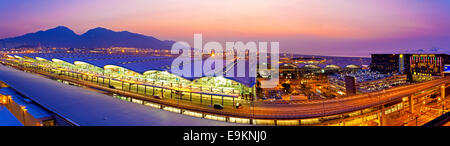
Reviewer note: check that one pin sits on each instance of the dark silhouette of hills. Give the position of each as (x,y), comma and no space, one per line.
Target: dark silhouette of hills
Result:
(62,36)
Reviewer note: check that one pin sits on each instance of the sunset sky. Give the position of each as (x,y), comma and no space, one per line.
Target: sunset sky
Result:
(334,27)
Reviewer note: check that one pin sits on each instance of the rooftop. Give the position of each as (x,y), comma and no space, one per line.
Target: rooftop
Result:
(33,109)
(88,108)
(7,118)
(138,63)
(362,75)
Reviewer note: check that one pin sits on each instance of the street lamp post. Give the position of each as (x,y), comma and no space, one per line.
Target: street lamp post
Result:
(323,107)
(443,108)
(416,119)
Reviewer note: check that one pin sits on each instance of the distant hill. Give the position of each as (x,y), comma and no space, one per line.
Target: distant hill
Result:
(62,36)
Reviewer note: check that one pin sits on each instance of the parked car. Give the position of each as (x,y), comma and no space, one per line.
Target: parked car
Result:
(218,106)
(238,105)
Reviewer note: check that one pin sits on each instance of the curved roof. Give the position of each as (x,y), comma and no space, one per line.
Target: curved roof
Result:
(87,108)
(338,65)
(332,66)
(301,65)
(311,66)
(321,65)
(288,65)
(353,66)
(141,64)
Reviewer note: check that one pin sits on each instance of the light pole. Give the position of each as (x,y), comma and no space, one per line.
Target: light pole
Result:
(443,106)
(323,107)
(417,117)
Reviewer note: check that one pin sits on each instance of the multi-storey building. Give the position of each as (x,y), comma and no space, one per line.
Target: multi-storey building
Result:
(364,81)
(417,67)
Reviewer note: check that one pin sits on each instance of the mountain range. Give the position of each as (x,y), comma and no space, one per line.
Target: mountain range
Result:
(63,37)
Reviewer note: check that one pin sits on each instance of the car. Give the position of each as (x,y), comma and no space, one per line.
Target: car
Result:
(238,105)
(218,106)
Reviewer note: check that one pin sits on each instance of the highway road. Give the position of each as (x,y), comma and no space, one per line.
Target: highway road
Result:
(348,104)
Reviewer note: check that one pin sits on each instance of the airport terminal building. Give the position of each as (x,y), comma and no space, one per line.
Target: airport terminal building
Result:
(143,74)
(418,67)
